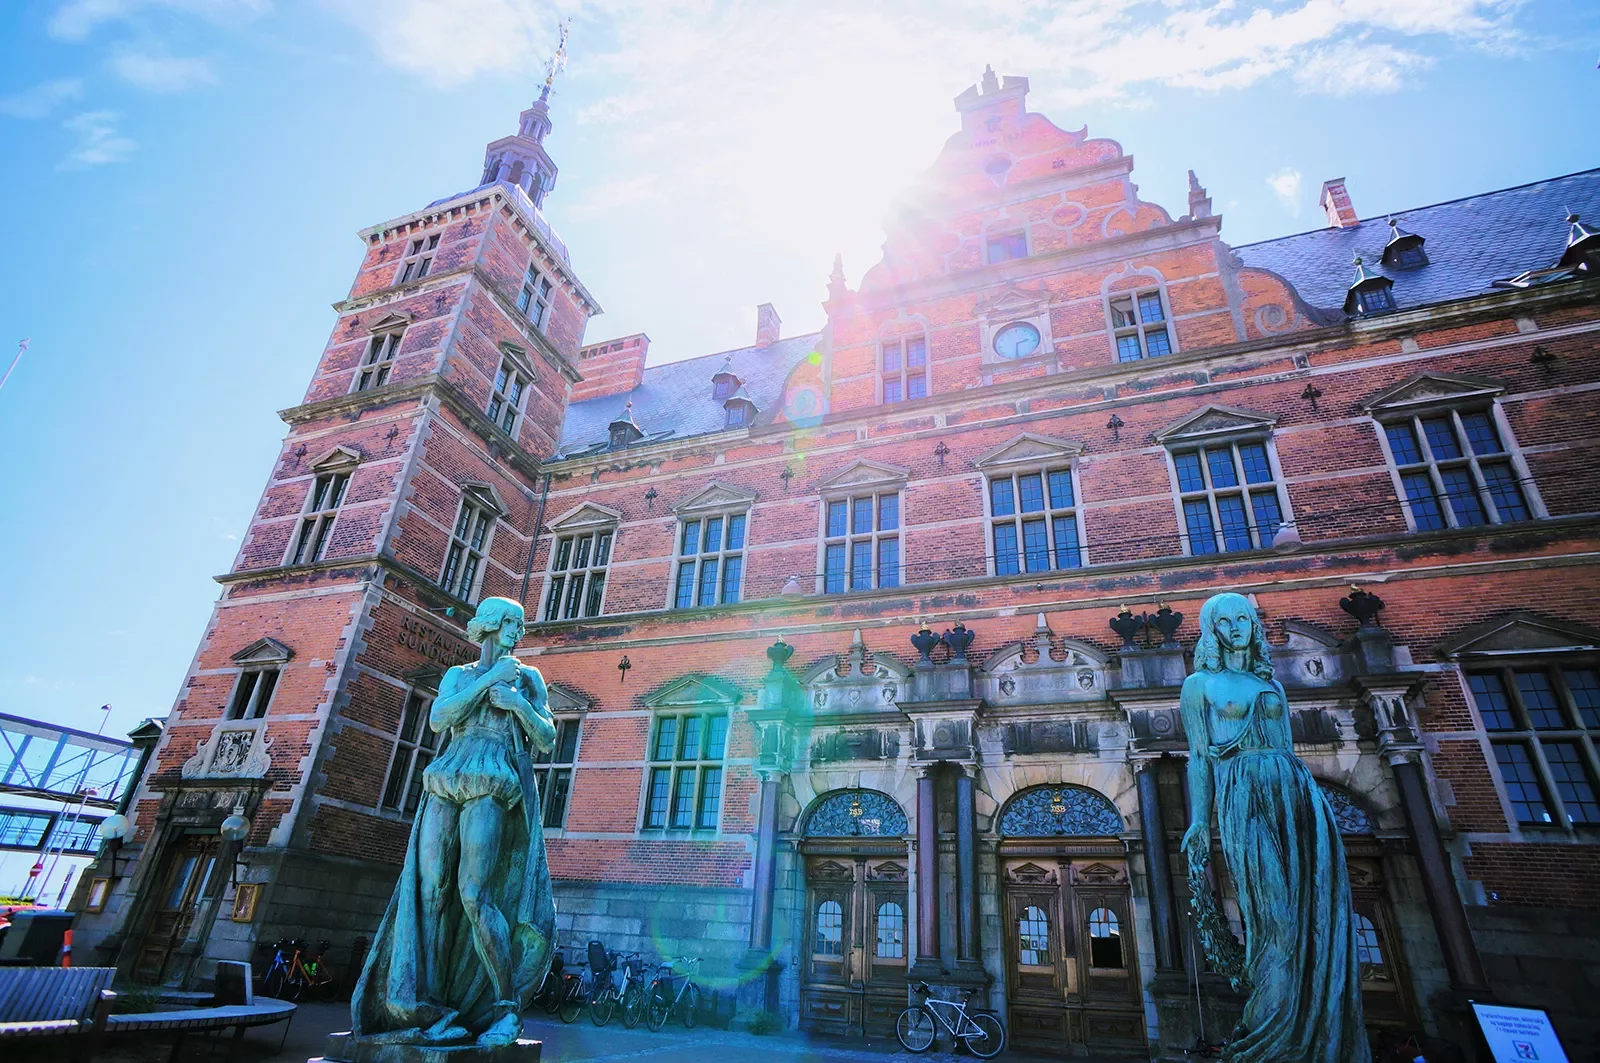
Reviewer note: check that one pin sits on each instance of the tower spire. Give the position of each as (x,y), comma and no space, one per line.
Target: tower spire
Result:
(521,159)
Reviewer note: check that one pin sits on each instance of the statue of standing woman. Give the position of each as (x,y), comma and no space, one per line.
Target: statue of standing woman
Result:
(1282,848)
(467,936)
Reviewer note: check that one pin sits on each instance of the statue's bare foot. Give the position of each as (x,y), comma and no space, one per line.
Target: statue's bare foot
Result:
(445,1032)
(506,1029)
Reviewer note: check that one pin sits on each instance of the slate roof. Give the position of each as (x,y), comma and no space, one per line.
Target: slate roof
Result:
(1471,243)
(674,400)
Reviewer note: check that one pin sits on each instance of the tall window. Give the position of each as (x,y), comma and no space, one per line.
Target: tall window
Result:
(1105,939)
(1543,723)
(1033,937)
(1228,495)
(1455,470)
(414,746)
(1033,519)
(578,576)
(316,523)
(685,789)
(830,929)
(1003,247)
(553,772)
(469,543)
(861,542)
(253,694)
(891,931)
(419,258)
(903,368)
(378,360)
(534,299)
(710,561)
(1139,325)
(505,405)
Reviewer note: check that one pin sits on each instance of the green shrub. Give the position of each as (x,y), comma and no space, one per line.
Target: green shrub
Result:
(764,1022)
(135,999)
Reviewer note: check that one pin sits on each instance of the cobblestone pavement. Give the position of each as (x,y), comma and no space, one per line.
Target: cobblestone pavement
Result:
(583,1042)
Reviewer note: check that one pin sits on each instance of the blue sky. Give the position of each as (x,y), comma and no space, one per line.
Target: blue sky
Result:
(186,178)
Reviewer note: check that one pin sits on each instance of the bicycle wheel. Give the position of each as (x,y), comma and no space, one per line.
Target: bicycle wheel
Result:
(272,984)
(988,1039)
(632,1006)
(656,1012)
(294,985)
(572,1003)
(601,1007)
(691,1006)
(914,1029)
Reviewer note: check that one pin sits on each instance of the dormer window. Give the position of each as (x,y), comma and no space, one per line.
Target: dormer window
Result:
(1404,250)
(1369,293)
(741,410)
(725,383)
(1583,246)
(624,430)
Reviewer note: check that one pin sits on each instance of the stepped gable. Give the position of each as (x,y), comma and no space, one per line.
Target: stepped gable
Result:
(1471,243)
(674,400)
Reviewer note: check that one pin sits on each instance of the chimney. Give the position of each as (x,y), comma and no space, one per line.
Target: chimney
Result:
(610,368)
(1336,204)
(767,325)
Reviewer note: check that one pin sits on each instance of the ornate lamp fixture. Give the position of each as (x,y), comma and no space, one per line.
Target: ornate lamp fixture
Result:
(236,828)
(115,829)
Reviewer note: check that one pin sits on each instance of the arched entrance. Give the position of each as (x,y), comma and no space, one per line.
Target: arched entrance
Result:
(855,945)
(1071,958)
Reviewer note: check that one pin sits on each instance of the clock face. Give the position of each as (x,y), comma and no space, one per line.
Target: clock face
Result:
(1016,341)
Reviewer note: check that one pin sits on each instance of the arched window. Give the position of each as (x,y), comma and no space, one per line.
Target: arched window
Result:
(1105,939)
(1369,948)
(891,931)
(1351,817)
(1051,811)
(856,813)
(830,929)
(1033,937)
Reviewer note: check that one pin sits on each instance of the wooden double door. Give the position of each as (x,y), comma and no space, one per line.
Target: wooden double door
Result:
(856,944)
(1072,970)
(183,883)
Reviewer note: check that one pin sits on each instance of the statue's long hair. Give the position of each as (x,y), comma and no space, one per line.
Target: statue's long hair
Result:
(492,612)
(1208,651)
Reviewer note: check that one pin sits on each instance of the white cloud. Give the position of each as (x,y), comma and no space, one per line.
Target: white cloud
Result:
(1286,183)
(158,72)
(1348,68)
(448,41)
(99,142)
(41,99)
(75,20)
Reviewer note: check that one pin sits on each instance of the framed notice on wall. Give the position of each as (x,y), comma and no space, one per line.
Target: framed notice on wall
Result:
(1517,1035)
(244,901)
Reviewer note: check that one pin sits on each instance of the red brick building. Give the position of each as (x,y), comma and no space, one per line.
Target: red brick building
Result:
(1051,419)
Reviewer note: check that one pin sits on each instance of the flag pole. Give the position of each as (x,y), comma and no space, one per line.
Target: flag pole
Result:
(22,346)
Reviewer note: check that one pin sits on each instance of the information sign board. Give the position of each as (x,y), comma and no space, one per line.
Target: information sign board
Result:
(1519,1035)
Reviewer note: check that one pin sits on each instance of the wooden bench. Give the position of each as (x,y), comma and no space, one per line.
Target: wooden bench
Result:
(56,1002)
(237,1017)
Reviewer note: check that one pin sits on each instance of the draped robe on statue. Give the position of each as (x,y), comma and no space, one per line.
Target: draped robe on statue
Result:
(484,756)
(1286,859)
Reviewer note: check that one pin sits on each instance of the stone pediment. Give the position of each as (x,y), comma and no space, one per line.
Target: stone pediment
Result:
(693,690)
(865,473)
(716,495)
(337,459)
(1216,422)
(389,322)
(1311,657)
(1030,449)
(1008,677)
(849,683)
(1520,632)
(486,493)
(564,700)
(1030,874)
(1431,389)
(588,515)
(1013,302)
(263,651)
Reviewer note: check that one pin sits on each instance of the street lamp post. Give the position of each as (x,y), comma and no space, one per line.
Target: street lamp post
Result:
(22,346)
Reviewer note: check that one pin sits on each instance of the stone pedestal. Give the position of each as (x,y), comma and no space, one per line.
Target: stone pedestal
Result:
(1179,1018)
(343,1048)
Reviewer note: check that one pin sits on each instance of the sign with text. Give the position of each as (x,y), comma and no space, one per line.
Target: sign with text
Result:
(1516,1035)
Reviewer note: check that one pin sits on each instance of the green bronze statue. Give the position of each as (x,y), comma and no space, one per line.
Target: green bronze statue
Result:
(467,936)
(1282,849)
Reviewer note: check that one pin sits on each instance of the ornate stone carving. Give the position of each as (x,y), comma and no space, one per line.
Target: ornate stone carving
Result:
(234,750)
(856,813)
(1056,811)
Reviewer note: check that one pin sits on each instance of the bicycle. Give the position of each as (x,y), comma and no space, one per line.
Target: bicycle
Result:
(633,990)
(287,978)
(918,1026)
(573,995)
(1203,1049)
(662,1002)
(609,984)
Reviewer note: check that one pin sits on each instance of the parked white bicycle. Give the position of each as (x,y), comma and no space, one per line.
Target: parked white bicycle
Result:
(918,1026)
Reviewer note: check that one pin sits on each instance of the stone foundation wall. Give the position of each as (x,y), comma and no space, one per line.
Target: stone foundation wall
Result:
(662,922)
(1545,958)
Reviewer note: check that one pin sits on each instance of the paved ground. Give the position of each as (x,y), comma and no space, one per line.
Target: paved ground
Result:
(580,1042)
